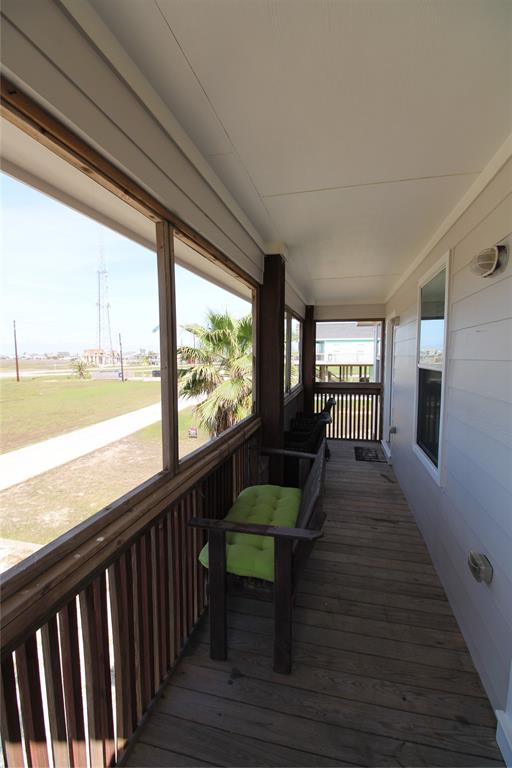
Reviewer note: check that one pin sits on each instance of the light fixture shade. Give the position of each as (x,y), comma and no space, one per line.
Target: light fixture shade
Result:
(487,261)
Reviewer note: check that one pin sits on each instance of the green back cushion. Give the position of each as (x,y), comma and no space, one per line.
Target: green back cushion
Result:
(249,555)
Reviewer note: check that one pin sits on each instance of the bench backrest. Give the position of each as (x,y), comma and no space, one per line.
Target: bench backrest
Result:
(312,489)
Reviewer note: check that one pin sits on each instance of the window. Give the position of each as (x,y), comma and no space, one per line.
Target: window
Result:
(214,324)
(348,351)
(82,425)
(431,354)
(292,351)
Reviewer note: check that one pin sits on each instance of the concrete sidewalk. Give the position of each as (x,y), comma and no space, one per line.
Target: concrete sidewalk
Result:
(18,466)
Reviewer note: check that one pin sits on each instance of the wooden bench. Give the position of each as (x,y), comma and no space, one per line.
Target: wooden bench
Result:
(292,547)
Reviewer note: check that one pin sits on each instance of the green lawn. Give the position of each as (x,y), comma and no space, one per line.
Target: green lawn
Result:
(36,409)
(46,506)
(26,366)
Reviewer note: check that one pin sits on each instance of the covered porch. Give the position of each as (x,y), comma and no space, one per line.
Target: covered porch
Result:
(326,164)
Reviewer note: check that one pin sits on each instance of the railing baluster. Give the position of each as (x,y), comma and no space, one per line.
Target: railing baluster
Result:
(132,558)
(144,651)
(171,604)
(55,693)
(183,561)
(178,595)
(29,683)
(195,550)
(154,600)
(93,611)
(121,602)
(191,566)
(72,683)
(11,729)
(163,587)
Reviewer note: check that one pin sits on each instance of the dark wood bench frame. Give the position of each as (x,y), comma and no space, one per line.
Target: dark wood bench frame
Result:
(292,547)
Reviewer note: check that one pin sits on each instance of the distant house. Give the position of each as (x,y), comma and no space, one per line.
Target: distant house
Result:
(347,351)
(99,357)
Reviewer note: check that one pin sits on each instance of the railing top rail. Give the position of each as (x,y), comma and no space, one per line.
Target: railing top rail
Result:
(344,386)
(38,587)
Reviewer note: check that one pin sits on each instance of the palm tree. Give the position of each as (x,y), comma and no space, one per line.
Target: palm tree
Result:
(81,369)
(220,367)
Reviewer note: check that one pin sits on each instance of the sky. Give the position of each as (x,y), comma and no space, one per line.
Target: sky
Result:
(48,280)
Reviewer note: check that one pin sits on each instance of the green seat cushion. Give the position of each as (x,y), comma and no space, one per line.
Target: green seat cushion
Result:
(251,555)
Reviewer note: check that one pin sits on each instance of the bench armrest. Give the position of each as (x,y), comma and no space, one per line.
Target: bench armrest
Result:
(229,526)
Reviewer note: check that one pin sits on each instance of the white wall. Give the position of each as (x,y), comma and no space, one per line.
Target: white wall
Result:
(473,507)
(47,54)
(350,312)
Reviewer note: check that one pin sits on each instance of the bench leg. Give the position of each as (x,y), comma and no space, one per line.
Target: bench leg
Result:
(217,593)
(283,605)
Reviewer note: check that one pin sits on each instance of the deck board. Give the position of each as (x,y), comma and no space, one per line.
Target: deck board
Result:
(381,674)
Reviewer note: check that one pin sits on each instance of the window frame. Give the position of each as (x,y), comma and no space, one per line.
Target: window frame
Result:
(436,472)
(290,315)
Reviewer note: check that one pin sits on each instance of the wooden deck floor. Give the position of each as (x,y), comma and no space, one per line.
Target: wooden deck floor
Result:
(381,676)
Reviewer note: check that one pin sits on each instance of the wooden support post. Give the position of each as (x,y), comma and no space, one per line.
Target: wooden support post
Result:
(217,592)
(168,357)
(283,604)
(271,357)
(308,359)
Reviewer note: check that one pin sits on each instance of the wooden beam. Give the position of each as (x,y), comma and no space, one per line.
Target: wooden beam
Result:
(271,353)
(308,358)
(168,364)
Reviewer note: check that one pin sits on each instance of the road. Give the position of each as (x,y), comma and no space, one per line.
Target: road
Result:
(18,466)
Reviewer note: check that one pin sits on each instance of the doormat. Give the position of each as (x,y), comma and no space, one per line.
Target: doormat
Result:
(368,454)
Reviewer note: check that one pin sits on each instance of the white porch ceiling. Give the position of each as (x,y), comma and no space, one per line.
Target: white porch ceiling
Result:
(348,129)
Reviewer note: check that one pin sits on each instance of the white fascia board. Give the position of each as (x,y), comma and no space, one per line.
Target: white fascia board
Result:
(106,42)
(496,163)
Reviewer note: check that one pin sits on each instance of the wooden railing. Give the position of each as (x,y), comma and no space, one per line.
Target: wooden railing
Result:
(357,413)
(93,623)
(343,372)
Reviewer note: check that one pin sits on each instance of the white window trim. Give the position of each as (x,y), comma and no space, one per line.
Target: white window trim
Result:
(437,473)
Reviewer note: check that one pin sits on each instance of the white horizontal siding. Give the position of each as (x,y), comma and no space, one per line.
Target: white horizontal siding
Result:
(491,341)
(493,417)
(473,508)
(491,380)
(495,303)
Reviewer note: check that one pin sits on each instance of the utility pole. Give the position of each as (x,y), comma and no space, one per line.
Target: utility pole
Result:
(121,356)
(99,309)
(16,351)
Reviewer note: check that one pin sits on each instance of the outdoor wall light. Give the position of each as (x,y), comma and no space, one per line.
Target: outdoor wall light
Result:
(488,261)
